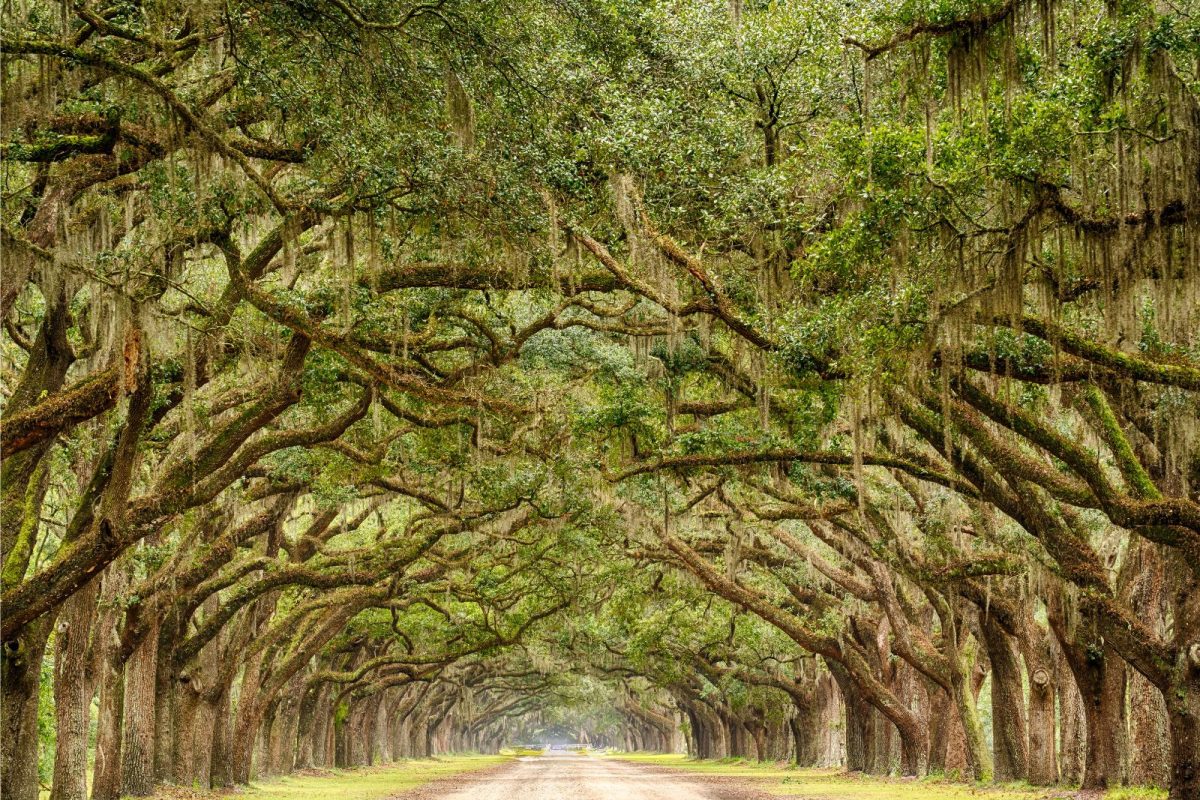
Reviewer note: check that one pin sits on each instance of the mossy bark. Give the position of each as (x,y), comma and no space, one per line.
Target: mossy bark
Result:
(1183,709)
(73,689)
(221,769)
(979,758)
(804,725)
(940,724)
(137,747)
(1100,674)
(860,724)
(20,675)
(1072,743)
(106,780)
(1008,706)
(1043,751)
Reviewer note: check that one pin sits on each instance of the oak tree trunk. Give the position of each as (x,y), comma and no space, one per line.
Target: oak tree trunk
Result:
(137,747)
(73,693)
(1100,675)
(1043,750)
(805,727)
(106,780)
(164,709)
(185,709)
(1149,734)
(221,765)
(20,675)
(979,759)
(1008,706)
(1183,709)
(1072,728)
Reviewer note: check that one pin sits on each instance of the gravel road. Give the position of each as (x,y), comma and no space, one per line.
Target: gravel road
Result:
(573,777)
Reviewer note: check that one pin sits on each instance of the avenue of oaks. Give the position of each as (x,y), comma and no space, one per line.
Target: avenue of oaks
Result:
(791,380)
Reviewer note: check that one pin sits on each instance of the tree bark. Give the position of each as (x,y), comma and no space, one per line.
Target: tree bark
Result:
(203,734)
(1039,666)
(185,711)
(246,723)
(106,777)
(833,740)
(49,359)
(221,768)
(284,732)
(860,726)
(137,751)
(262,765)
(805,728)
(1100,675)
(23,484)
(940,723)
(1183,710)
(106,780)
(306,727)
(1008,706)
(320,732)
(164,707)
(73,693)
(979,760)
(1149,734)
(20,676)
(1072,728)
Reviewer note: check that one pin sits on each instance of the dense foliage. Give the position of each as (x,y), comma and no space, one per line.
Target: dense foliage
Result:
(806,380)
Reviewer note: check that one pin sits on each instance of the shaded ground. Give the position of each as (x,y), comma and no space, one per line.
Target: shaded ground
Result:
(558,776)
(831,784)
(363,783)
(573,777)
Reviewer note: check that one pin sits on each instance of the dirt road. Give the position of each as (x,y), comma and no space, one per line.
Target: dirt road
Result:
(573,777)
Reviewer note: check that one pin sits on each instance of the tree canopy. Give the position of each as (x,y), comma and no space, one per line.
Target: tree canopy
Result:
(794,380)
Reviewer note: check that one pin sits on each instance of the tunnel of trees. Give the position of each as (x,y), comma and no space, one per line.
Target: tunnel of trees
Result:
(797,380)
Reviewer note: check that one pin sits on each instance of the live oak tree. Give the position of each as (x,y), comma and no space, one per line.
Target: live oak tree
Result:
(388,379)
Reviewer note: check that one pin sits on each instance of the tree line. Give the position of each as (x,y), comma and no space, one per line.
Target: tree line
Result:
(809,381)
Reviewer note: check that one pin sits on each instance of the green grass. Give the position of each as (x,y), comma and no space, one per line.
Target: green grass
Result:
(825,784)
(366,783)
(525,751)
(363,783)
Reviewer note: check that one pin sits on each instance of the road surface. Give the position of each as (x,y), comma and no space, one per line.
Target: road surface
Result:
(567,776)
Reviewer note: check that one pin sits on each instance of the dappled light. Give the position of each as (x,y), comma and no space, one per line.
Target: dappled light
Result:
(804,390)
